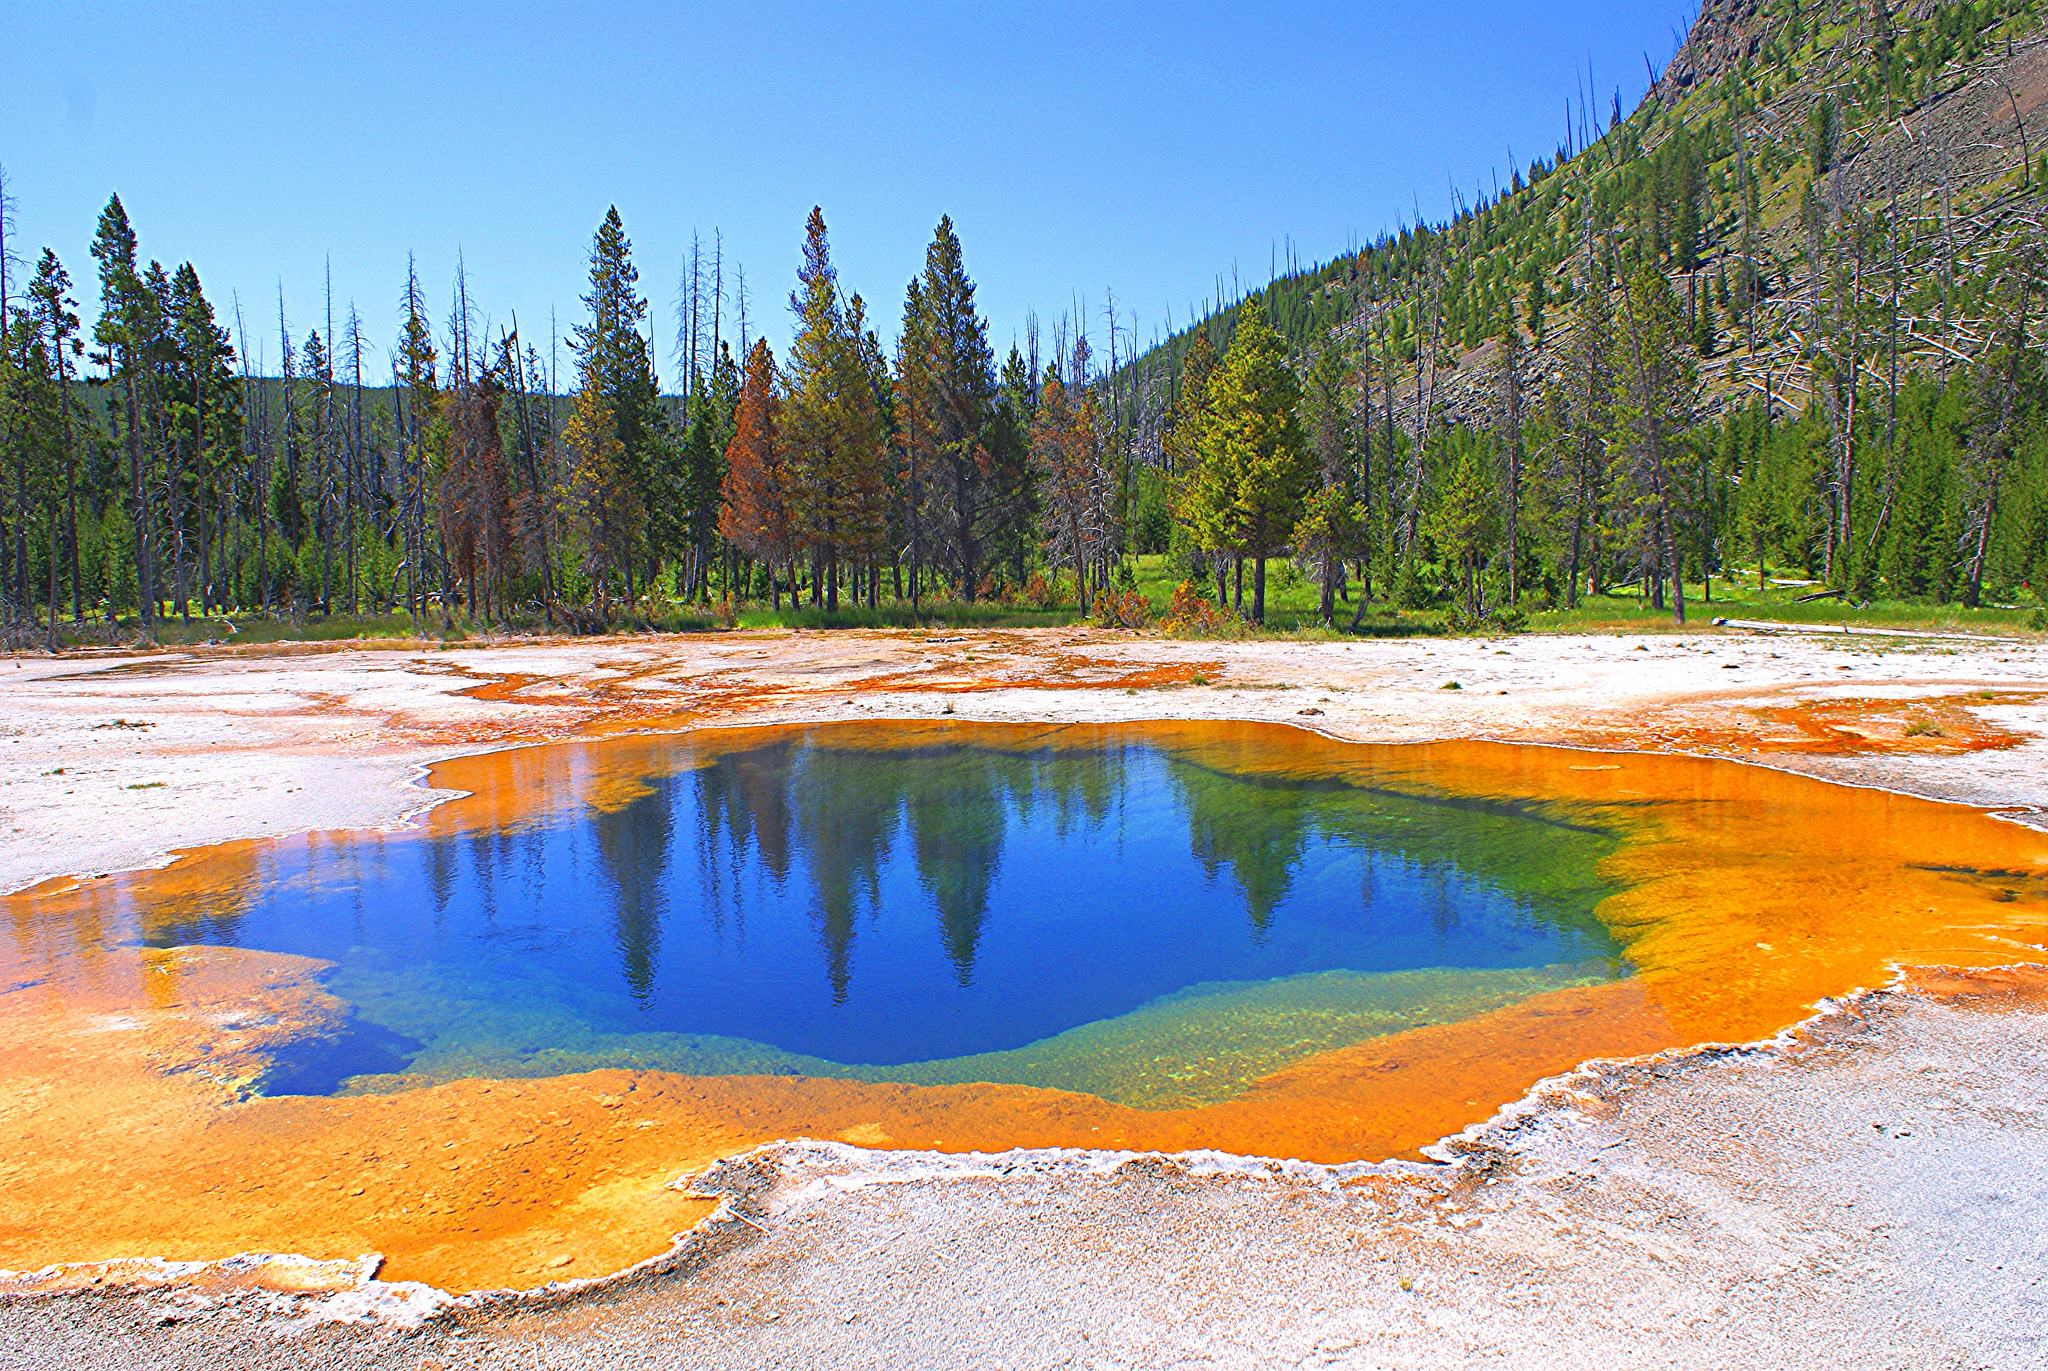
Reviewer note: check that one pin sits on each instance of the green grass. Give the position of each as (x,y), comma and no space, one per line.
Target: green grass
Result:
(1778,604)
(931,614)
(248,628)
(241,628)
(1291,605)
(312,630)
(1291,601)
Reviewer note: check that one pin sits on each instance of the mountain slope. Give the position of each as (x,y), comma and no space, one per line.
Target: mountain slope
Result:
(1921,123)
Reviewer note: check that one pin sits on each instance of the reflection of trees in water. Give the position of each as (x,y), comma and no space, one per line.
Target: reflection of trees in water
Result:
(742,804)
(1260,832)
(760,782)
(440,855)
(484,850)
(836,812)
(839,811)
(1443,909)
(1081,787)
(956,805)
(956,802)
(533,850)
(633,849)
(238,878)
(1543,865)
(846,805)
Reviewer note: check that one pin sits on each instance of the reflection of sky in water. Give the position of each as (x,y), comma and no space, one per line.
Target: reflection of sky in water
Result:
(899,906)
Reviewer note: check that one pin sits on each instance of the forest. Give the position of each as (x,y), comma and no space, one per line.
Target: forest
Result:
(1781,322)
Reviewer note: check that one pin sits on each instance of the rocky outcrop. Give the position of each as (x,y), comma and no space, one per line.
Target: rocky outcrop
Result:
(1727,33)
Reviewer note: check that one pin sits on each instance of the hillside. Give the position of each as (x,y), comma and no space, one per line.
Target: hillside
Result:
(1925,122)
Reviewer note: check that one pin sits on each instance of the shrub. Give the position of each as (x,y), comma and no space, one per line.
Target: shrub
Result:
(1122,609)
(1040,593)
(1410,590)
(1190,614)
(1499,620)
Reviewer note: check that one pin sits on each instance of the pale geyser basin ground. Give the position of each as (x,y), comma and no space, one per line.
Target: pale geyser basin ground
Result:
(1397,712)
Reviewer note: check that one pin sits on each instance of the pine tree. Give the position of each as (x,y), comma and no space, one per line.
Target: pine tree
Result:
(755,515)
(616,369)
(475,492)
(314,404)
(1330,526)
(1513,456)
(1066,443)
(1197,366)
(417,397)
(50,303)
(1257,470)
(1656,389)
(1588,397)
(1013,480)
(833,418)
(865,423)
(1205,496)
(1465,518)
(703,463)
(206,414)
(915,439)
(600,501)
(30,423)
(954,396)
(123,331)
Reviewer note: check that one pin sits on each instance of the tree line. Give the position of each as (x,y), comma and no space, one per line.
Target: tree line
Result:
(1629,369)
(153,472)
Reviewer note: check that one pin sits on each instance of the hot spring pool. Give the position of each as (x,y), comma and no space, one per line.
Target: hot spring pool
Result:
(505,1033)
(1092,908)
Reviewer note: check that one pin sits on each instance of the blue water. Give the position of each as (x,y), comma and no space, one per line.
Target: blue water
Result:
(873,905)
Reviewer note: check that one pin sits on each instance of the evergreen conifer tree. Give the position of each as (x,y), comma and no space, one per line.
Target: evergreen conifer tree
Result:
(955,393)
(1331,522)
(616,372)
(1656,388)
(1256,469)
(834,421)
(755,515)
(123,331)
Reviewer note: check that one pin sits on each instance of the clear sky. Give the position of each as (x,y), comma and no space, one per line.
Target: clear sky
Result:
(1144,149)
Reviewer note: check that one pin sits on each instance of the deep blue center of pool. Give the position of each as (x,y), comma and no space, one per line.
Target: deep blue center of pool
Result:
(866,905)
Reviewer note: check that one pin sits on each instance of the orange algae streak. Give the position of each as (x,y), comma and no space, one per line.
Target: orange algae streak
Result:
(1748,896)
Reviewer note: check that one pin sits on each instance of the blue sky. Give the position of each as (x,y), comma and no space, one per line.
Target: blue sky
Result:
(1144,149)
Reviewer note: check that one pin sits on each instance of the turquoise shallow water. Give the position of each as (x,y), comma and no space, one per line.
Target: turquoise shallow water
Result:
(1083,909)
